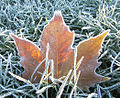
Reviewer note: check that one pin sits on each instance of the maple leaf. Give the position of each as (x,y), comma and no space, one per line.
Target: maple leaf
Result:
(60,40)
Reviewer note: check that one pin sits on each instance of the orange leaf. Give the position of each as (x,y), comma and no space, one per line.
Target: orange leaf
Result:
(60,40)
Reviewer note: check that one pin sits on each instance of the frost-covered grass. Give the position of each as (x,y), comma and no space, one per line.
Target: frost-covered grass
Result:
(86,17)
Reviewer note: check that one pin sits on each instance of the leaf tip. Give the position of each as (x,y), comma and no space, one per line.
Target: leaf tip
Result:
(58,16)
(104,34)
(105,79)
(13,36)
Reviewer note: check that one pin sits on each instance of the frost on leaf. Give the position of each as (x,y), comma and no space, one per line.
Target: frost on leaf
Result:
(60,40)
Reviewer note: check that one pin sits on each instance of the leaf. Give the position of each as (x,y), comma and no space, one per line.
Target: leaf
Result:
(60,40)
(90,50)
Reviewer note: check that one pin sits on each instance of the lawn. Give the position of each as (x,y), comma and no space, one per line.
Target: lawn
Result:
(87,18)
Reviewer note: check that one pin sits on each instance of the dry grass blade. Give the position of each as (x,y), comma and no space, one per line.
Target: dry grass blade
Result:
(20,78)
(61,89)
(43,89)
(75,86)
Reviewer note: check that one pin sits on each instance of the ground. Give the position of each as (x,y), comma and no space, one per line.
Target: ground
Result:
(87,18)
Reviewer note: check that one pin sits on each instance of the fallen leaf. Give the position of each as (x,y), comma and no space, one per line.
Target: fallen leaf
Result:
(60,40)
